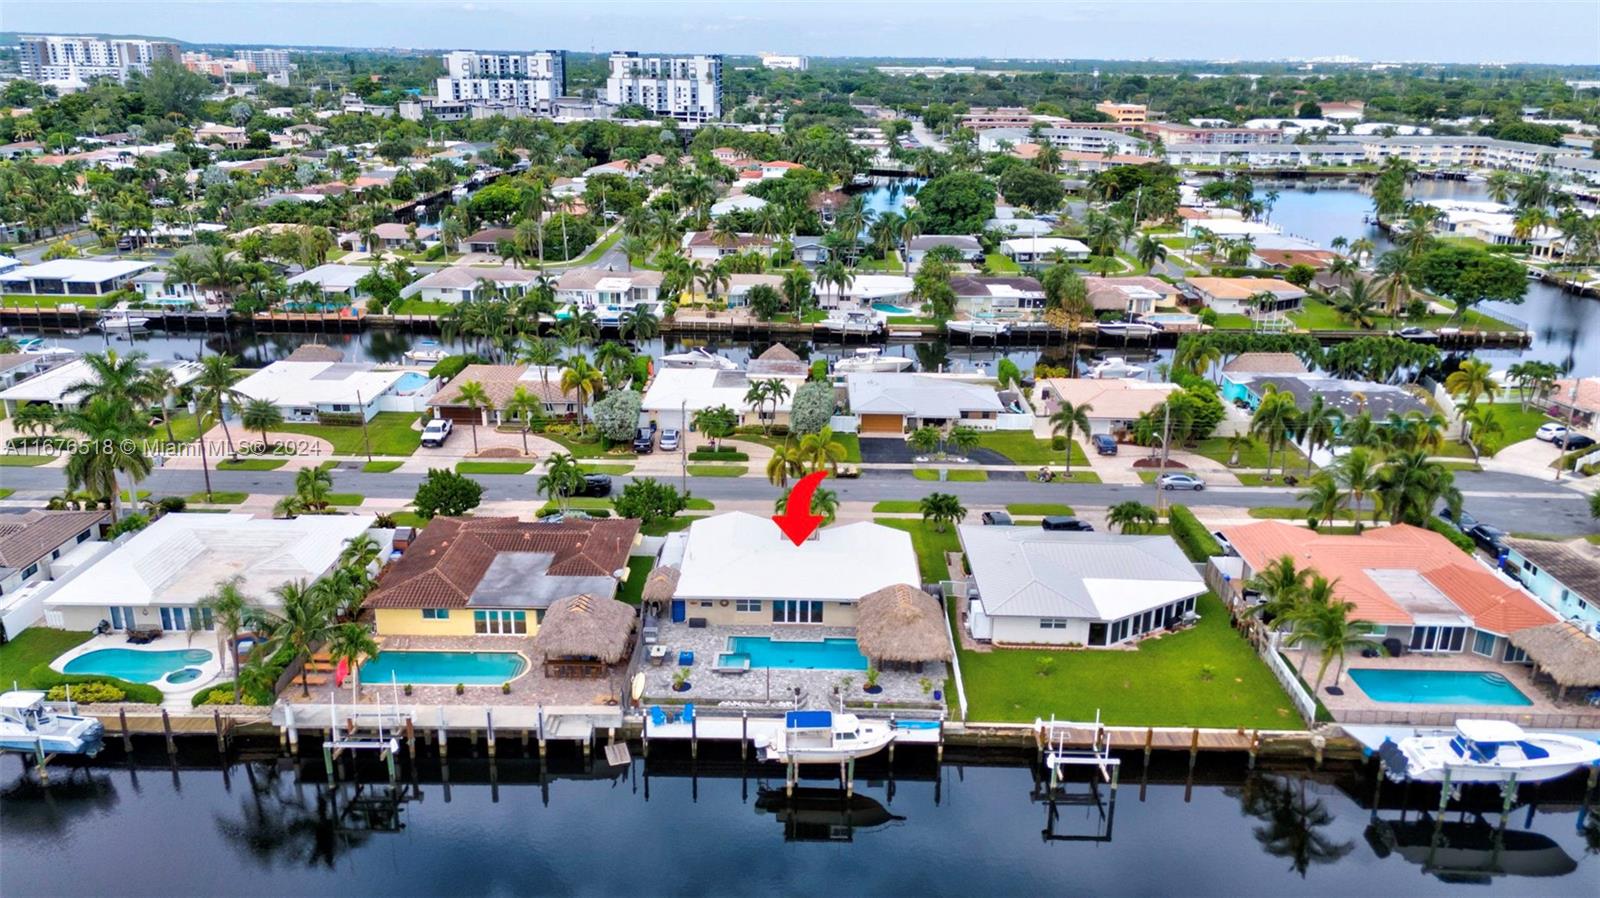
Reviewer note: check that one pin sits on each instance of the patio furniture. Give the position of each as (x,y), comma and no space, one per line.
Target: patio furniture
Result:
(697,623)
(1394,647)
(658,717)
(652,630)
(686,659)
(658,655)
(688,714)
(144,636)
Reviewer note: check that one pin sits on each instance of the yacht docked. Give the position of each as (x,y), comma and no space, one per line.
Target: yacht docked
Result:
(699,357)
(1113,368)
(28,724)
(1127,329)
(823,737)
(973,327)
(1487,751)
(852,322)
(871,358)
(426,351)
(119,318)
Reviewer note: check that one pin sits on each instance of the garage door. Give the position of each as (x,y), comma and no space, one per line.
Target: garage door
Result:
(882,425)
(460,414)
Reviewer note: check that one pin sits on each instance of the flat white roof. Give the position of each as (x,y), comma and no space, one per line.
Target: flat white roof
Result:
(1043,245)
(51,386)
(84,271)
(742,556)
(699,388)
(317,383)
(332,276)
(180,559)
(918,395)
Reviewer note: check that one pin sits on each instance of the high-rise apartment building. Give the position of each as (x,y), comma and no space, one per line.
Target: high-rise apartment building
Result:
(266,60)
(54,57)
(785,61)
(683,87)
(529,80)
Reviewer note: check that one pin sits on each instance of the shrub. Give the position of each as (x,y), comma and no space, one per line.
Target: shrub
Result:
(1196,541)
(720,454)
(43,676)
(1448,531)
(340,419)
(617,415)
(128,523)
(171,504)
(1058,442)
(650,500)
(92,693)
(812,406)
(451,365)
(461,689)
(448,493)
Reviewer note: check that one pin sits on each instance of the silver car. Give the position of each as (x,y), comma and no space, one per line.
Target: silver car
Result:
(669,440)
(1181,482)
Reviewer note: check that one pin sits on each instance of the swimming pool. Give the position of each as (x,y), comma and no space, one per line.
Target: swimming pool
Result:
(1438,687)
(410,382)
(764,651)
(135,666)
(892,309)
(444,668)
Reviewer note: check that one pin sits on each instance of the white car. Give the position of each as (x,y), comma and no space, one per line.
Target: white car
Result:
(1551,433)
(435,432)
(1181,482)
(669,440)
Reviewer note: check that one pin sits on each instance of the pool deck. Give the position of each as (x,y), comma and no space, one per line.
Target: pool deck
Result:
(1355,707)
(172,695)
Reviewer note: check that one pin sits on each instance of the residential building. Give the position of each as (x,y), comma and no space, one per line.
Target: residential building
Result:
(530,81)
(1123,113)
(31,540)
(1113,404)
(1069,139)
(1131,296)
(1043,587)
(609,293)
(1574,402)
(488,240)
(230,136)
(16,367)
(337,283)
(916,249)
(164,575)
(737,295)
(500,383)
(216,68)
(76,277)
(997,297)
(688,88)
(1284,259)
(1246,296)
(787,62)
(1410,584)
(894,404)
(705,246)
(1352,397)
(335,392)
(463,283)
(1564,575)
(1247,363)
(54,385)
(1019,227)
(390,235)
(1041,250)
(56,57)
(266,60)
(675,394)
(738,568)
(1171,133)
(498,576)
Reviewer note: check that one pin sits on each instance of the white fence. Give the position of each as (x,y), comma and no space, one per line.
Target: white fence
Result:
(1303,701)
(25,607)
(951,589)
(844,423)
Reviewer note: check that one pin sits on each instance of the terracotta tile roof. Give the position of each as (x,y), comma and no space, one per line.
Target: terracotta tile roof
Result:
(445,564)
(1491,602)
(1316,258)
(1588,394)
(1266,363)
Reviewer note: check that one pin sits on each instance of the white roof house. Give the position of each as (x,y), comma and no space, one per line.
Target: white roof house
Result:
(1037,249)
(888,403)
(303,389)
(459,283)
(1095,589)
(180,558)
(1019,227)
(58,277)
(51,386)
(334,279)
(742,556)
(742,202)
(674,391)
(7,264)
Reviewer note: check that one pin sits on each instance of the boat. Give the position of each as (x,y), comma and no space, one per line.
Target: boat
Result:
(975,328)
(852,322)
(699,357)
(1113,368)
(871,358)
(1470,849)
(1486,751)
(426,350)
(27,723)
(824,815)
(1127,328)
(823,737)
(119,318)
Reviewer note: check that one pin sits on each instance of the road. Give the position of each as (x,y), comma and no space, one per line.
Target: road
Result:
(924,136)
(1514,503)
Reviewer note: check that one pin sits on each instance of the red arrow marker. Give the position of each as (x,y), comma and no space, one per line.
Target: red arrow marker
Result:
(797,522)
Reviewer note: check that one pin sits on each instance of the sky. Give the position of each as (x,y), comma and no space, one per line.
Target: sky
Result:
(1469,31)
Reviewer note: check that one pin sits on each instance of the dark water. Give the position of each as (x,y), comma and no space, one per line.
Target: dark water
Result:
(658,828)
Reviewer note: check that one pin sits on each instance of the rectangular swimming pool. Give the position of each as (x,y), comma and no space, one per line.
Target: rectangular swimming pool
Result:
(443,668)
(826,654)
(1438,687)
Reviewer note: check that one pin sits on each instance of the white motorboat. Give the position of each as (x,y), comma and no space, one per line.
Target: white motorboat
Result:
(973,327)
(871,358)
(1112,368)
(823,737)
(120,318)
(1127,329)
(852,322)
(1487,751)
(699,357)
(27,723)
(426,351)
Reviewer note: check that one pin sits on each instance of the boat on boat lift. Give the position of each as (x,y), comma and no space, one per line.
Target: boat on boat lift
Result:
(698,357)
(847,322)
(1127,328)
(426,350)
(28,723)
(1112,368)
(974,327)
(823,737)
(871,358)
(1486,751)
(120,318)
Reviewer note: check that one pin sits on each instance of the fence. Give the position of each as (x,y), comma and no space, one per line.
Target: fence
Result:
(844,423)
(951,589)
(1303,702)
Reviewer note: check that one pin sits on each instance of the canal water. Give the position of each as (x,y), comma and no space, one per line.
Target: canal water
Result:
(672,827)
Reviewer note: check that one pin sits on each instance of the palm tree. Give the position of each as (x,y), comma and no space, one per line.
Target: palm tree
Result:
(1274,422)
(304,623)
(475,396)
(1329,627)
(1324,500)
(353,644)
(638,323)
(262,415)
(925,439)
(1132,517)
(562,477)
(784,463)
(823,502)
(819,450)
(1482,425)
(755,396)
(1356,472)
(583,380)
(526,408)
(943,509)
(1411,486)
(162,383)
(112,444)
(1150,251)
(1067,419)
(114,377)
(542,354)
(1282,584)
(1318,426)
(214,388)
(229,608)
(1473,381)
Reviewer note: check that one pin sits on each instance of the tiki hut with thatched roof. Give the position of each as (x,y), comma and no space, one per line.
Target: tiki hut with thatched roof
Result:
(778,359)
(584,635)
(659,588)
(901,626)
(1562,651)
(315,352)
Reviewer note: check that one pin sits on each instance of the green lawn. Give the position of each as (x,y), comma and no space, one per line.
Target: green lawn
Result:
(391,434)
(952,475)
(1251,456)
(1206,676)
(890,264)
(1000,263)
(582,449)
(409,519)
(696,503)
(1077,476)
(420,307)
(380,467)
(494,467)
(218,497)
(930,545)
(1518,425)
(897,506)
(1041,509)
(606,469)
(30,301)
(32,647)
(717,470)
(143,494)
(6,493)
(593,255)
(670,525)
(346,500)
(1023,448)
(252,464)
(25,461)
(185,427)
(1235,321)
(638,571)
(1317,315)
(1286,513)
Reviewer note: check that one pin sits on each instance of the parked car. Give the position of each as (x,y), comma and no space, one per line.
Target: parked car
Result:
(435,432)
(1575,440)
(1066,522)
(1104,444)
(997,518)
(1551,432)
(1181,482)
(595,485)
(1464,522)
(1489,538)
(1419,334)
(669,440)
(645,441)
(1227,547)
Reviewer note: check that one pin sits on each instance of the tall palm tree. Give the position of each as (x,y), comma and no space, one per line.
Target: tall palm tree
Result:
(784,463)
(160,382)
(475,396)
(1067,419)
(114,376)
(1324,500)
(1356,472)
(353,644)
(1150,251)
(583,380)
(304,623)
(1329,627)
(1131,517)
(527,409)
(1318,426)
(1472,381)
(112,443)
(261,415)
(819,450)
(1274,422)
(1283,584)
(562,477)
(824,503)
(1411,486)
(1482,425)
(230,609)
(214,388)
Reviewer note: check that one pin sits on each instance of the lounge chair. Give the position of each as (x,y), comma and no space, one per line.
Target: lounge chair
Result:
(688,713)
(658,717)
(686,659)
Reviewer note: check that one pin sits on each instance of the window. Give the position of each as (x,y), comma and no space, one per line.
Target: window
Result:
(84,536)
(1483,644)
(707,604)
(30,570)
(1514,655)
(747,606)
(1052,623)
(436,614)
(790,612)
(500,622)
(1437,639)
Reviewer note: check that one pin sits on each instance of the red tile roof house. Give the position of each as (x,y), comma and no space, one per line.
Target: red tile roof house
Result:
(1413,585)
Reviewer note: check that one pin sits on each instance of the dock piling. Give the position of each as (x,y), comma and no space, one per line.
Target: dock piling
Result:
(1255,746)
(216,720)
(166,727)
(411,739)
(444,738)
(127,737)
(1149,745)
(694,737)
(488,717)
(1194,750)
(41,761)
(744,734)
(891,741)
(294,731)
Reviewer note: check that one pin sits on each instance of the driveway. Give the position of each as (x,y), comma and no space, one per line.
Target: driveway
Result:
(891,451)
(1530,458)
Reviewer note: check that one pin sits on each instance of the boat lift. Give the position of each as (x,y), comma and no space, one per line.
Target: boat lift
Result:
(1054,737)
(377,731)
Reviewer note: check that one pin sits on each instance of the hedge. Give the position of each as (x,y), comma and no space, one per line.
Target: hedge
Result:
(1196,540)
(44,677)
(718,455)
(1450,532)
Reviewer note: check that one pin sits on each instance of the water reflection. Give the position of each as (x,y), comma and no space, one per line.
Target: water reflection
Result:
(824,815)
(1468,848)
(1292,822)
(280,823)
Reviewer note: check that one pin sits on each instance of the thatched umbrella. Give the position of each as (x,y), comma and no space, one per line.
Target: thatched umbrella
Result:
(778,352)
(586,626)
(660,586)
(1563,651)
(901,624)
(315,352)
